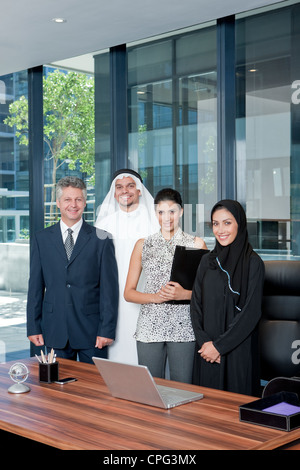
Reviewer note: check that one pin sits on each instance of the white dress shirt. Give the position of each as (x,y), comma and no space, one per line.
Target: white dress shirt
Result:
(64,230)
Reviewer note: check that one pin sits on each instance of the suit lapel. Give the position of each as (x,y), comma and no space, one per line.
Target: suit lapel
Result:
(83,237)
(56,238)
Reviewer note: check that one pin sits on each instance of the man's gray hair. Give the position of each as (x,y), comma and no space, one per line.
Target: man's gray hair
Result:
(68,181)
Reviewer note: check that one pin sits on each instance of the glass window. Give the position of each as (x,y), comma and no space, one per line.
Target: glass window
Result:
(267,70)
(14,219)
(150,62)
(150,135)
(69,134)
(69,140)
(173,119)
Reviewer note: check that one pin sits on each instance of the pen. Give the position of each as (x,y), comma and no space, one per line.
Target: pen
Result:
(50,359)
(43,357)
(38,358)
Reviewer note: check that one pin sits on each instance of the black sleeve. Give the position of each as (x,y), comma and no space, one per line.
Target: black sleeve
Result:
(245,321)
(196,304)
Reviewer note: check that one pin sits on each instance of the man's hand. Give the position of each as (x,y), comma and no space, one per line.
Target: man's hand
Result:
(102,342)
(37,340)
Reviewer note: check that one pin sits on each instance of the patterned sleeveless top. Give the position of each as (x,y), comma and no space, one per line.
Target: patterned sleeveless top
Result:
(163,322)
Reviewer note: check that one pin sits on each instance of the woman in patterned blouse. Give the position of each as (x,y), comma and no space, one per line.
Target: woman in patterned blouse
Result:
(164,330)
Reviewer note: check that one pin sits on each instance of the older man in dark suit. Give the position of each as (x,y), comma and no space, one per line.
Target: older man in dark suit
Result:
(73,287)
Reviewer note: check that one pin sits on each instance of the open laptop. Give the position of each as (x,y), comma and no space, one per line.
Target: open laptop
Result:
(135,383)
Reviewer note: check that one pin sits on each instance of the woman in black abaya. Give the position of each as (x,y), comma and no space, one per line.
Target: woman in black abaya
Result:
(226,306)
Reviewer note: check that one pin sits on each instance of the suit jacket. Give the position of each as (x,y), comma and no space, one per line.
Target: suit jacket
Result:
(74,300)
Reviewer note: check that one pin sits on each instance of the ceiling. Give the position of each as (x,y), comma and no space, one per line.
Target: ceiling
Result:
(29,37)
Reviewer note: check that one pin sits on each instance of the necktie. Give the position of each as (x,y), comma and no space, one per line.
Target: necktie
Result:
(69,243)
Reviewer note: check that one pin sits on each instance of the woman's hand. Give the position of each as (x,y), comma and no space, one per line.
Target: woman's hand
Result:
(174,291)
(157,298)
(209,353)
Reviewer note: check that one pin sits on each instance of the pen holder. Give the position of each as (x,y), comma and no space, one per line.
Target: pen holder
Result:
(48,372)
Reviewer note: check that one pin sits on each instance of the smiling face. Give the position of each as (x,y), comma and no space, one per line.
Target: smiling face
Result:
(225,227)
(71,205)
(127,194)
(168,214)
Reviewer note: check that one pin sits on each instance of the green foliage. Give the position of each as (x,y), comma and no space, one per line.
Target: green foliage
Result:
(24,234)
(68,109)
(18,117)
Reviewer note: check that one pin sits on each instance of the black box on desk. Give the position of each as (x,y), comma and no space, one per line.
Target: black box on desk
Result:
(258,411)
(48,372)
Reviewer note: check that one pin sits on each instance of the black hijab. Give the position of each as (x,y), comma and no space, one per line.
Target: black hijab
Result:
(234,259)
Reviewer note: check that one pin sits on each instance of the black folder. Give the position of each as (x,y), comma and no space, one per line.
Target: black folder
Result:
(184,268)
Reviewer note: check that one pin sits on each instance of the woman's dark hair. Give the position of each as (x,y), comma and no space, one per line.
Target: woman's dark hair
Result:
(168,194)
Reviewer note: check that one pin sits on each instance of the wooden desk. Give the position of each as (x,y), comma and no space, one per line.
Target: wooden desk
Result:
(83,415)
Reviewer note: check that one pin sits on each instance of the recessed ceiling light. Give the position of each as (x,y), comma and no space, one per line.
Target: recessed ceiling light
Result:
(59,20)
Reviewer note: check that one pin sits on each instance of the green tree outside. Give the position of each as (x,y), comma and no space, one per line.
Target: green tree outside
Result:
(69,125)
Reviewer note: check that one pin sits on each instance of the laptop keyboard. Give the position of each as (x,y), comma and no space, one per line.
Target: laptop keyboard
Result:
(172,395)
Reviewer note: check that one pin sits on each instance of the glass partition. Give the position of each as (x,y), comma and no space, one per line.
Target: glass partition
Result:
(14,221)
(173,119)
(267,70)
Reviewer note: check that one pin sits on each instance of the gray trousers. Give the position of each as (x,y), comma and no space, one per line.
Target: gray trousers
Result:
(180,359)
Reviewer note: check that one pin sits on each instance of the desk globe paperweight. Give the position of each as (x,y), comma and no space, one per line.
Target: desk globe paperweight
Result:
(19,374)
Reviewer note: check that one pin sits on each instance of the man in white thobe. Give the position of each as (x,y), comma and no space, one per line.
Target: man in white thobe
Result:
(127,212)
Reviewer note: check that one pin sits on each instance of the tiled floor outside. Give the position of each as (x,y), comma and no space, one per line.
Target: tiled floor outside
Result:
(14,344)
